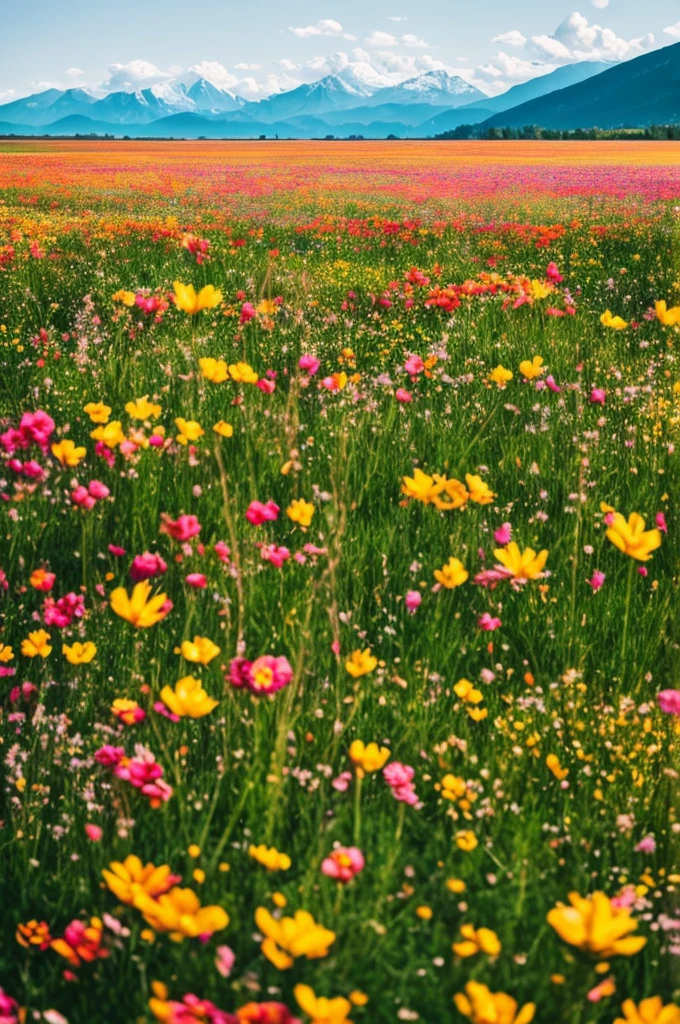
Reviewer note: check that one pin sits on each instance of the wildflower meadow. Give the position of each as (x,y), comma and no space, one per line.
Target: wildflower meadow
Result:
(339,666)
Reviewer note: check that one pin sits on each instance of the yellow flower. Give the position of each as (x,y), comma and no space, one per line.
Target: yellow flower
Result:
(300,511)
(292,937)
(453,495)
(67,453)
(6,652)
(477,714)
(479,491)
(242,373)
(143,409)
(360,663)
(139,609)
(98,412)
(187,300)
(179,912)
(110,435)
(649,1011)
(500,376)
(668,317)
(466,841)
(270,858)
(595,925)
(540,290)
(267,307)
(616,322)
(532,368)
(127,298)
(201,651)
(79,654)
(37,644)
(189,430)
(214,370)
(368,757)
(484,1007)
(524,565)
(482,940)
(223,428)
(358,998)
(422,487)
(553,763)
(127,711)
(631,537)
(128,878)
(320,1009)
(467,692)
(452,574)
(456,885)
(188,699)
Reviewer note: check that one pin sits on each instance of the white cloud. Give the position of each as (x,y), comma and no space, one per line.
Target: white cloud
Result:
(74,74)
(378,39)
(7,95)
(412,41)
(247,67)
(600,4)
(514,38)
(136,74)
(215,73)
(673,30)
(398,18)
(324,27)
(575,39)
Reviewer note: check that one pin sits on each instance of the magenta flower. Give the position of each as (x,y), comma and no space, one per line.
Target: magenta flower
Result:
(488,622)
(414,365)
(660,521)
(310,364)
(343,864)
(146,566)
(266,674)
(197,580)
(596,581)
(182,529)
(258,513)
(503,535)
(399,778)
(413,600)
(669,701)
(646,845)
(403,396)
(598,396)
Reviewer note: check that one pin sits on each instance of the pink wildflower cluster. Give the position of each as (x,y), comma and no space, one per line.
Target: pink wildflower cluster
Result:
(142,771)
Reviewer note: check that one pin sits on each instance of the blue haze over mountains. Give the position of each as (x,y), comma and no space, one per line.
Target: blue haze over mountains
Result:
(636,93)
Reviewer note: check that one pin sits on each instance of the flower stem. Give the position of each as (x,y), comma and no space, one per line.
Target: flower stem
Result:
(626,617)
(357,808)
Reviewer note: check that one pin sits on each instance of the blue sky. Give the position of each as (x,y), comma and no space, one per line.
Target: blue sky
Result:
(259,46)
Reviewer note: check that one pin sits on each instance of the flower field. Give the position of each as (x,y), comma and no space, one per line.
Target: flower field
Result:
(339,537)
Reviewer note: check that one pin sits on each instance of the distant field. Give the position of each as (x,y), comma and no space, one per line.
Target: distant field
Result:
(339,541)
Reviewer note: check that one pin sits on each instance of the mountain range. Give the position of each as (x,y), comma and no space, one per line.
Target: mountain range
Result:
(354,101)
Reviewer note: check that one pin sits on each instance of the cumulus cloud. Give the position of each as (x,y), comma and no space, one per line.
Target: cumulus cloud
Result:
(73,74)
(215,73)
(575,39)
(514,38)
(378,40)
(601,4)
(136,74)
(247,67)
(673,30)
(324,27)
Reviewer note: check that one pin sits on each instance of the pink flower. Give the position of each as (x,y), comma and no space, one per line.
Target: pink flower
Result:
(553,273)
(9,1009)
(82,497)
(61,613)
(646,845)
(276,555)
(399,778)
(247,312)
(116,551)
(310,364)
(488,623)
(47,582)
(109,756)
(258,513)
(414,365)
(98,490)
(182,529)
(550,382)
(146,566)
(413,600)
(222,551)
(343,864)
(341,783)
(265,675)
(503,535)
(224,960)
(197,580)
(266,386)
(598,396)
(596,581)
(93,832)
(669,701)
(403,396)
(660,521)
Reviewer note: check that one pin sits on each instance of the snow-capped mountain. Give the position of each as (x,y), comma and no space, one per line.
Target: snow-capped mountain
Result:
(437,88)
